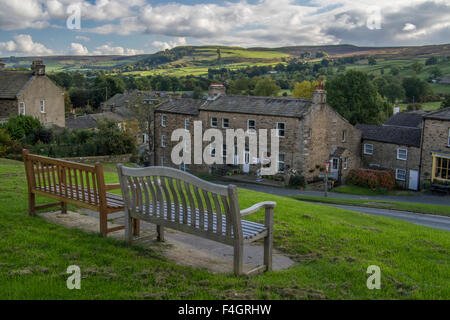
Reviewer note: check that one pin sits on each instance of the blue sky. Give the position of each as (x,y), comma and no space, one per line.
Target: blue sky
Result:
(38,27)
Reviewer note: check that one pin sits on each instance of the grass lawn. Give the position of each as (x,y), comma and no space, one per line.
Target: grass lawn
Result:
(357,190)
(395,205)
(332,248)
(427,106)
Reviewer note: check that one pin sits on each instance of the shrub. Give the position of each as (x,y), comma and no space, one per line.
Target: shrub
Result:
(297,181)
(414,106)
(20,126)
(373,179)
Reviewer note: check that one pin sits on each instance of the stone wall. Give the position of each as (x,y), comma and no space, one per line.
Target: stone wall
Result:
(435,138)
(42,88)
(8,107)
(385,156)
(112,159)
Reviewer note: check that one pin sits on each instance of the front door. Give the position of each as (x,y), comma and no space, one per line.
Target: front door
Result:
(334,169)
(246,166)
(413,180)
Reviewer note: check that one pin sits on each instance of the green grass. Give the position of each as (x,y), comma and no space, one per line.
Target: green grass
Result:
(332,249)
(357,190)
(427,106)
(395,205)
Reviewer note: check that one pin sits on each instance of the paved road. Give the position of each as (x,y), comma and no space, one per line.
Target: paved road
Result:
(433,221)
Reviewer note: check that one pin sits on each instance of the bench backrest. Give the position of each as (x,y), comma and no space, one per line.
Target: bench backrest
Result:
(78,183)
(144,189)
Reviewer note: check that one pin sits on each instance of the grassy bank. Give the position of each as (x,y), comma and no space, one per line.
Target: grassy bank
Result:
(394,205)
(332,249)
(360,191)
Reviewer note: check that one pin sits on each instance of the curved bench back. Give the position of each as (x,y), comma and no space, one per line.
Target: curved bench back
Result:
(181,198)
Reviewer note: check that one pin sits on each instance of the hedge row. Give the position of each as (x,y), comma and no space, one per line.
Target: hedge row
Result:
(373,179)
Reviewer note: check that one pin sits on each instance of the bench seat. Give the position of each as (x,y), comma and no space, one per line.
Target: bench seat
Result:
(250,229)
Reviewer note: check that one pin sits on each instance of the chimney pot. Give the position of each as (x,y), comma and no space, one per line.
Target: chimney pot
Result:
(216,89)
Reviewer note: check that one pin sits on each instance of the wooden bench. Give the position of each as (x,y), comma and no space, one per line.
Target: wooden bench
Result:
(74,183)
(178,200)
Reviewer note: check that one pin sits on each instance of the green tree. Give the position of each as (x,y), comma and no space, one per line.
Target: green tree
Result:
(304,89)
(446,102)
(19,127)
(431,60)
(197,93)
(390,88)
(355,97)
(416,89)
(372,61)
(395,71)
(417,67)
(266,87)
(435,72)
(110,140)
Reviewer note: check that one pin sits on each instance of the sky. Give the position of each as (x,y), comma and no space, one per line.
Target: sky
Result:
(129,27)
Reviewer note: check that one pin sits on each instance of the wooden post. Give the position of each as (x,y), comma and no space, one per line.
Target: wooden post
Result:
(103,208)
(433,168)
(160,231)
(30,179)
(268,240)
(237,230)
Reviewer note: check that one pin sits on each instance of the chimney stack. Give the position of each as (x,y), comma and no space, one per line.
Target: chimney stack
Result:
(216,89)
(38,68)
(319,95)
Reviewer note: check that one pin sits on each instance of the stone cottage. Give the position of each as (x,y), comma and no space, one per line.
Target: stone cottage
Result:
(31,93)
(310,131)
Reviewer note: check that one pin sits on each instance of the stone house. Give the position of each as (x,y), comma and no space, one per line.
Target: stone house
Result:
(435,153)
(31,93)
(395,148)
(310,131)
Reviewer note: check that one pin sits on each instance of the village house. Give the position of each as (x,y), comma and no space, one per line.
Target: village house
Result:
(31,93)
(310,131)
(435,157)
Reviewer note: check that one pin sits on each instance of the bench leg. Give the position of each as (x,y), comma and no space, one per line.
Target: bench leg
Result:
(31,204)
(137,227)
(268,245)
(103,223)
(160,231)
(63,207)
(238,258)
(129,226)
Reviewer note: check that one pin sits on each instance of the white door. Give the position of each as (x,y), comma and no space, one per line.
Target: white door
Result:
(413,180)
(246,166)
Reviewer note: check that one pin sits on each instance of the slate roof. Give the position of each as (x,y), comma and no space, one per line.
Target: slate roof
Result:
(443,114)
(89,121)
(391,134)
(11,82)
(411,119)
(181,106)
(285,107)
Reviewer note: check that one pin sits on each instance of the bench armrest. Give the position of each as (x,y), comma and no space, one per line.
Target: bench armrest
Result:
(257,207)
(112,186)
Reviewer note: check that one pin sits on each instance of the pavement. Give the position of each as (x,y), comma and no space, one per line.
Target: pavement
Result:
(432,221)
(181,248)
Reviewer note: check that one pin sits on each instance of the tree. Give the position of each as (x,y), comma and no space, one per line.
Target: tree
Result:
(417,67)
(372,61)
(390,88)
(304,89)
(395,70)
(435,72)
(431,60)
(20,126)
(110,140)
(355,97)
(416,89)
(197,93)
(266,87)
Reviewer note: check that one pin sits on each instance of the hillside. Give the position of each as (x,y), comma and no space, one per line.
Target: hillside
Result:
(195,60)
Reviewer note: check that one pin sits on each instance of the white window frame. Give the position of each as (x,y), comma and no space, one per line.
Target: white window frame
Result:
(187,124)
(397,177)
(42,106)
(344,135)
(345,163)
(163,141)
(163,121)
(223,123)
(22,107)
(448,145)
(398,154)
(283,162)
(365,148)
(284,129)
(216,120)
(251,130)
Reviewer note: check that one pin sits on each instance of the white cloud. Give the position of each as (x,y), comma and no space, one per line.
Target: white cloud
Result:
(109,50)
(82,38)
(78,49)
(24,44)
(409,27)
(163,45)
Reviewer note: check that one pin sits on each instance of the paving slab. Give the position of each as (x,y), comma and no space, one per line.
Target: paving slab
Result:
(181,248)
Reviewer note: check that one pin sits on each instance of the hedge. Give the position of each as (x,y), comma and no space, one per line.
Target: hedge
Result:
(373,179)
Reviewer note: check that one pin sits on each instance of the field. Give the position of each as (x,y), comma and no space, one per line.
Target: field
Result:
(332,249)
